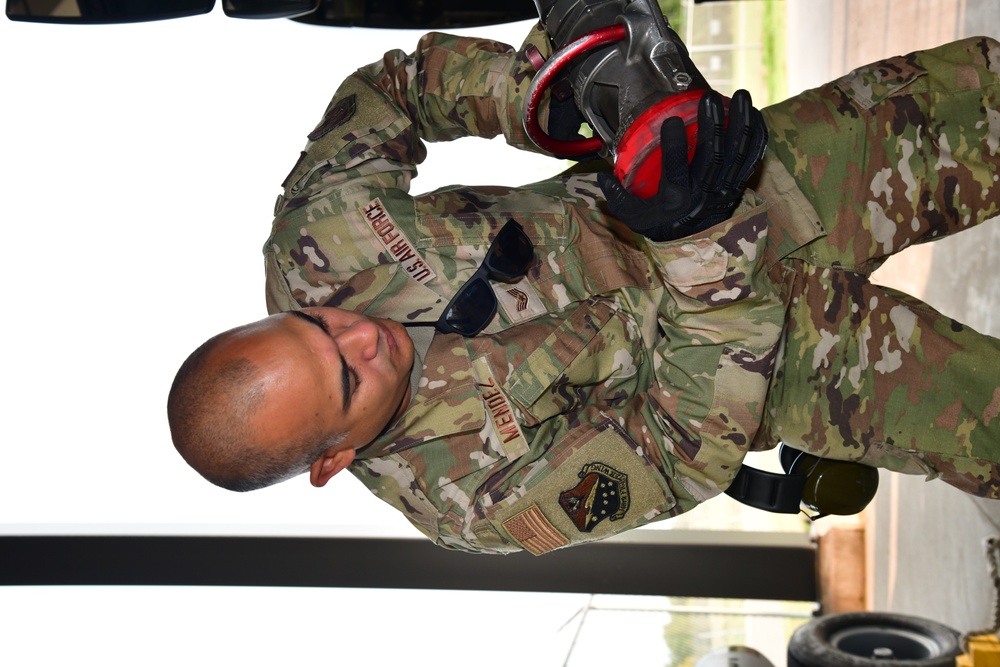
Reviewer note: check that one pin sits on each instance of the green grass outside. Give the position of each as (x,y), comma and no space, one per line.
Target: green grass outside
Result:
(774,50)
(755,27)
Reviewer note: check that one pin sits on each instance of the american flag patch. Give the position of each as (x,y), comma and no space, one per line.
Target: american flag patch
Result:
(532,530)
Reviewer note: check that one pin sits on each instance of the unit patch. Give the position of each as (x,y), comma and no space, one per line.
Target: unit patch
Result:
(338,114)
(601,494)
(395,242)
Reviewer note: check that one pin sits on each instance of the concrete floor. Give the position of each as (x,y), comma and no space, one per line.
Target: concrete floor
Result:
(925,541)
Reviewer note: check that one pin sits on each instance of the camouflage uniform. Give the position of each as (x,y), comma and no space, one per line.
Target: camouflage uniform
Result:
(899,152)
(622,381)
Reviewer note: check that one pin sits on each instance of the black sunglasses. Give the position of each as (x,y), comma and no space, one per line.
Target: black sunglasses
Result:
(475,304)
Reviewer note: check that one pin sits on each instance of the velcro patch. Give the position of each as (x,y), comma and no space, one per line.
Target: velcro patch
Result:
(519,300)
(395,242)
(605,486)
(601,494)
(335,116)
(534,532)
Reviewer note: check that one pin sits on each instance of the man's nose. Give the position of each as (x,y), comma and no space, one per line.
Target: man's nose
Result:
(360,339)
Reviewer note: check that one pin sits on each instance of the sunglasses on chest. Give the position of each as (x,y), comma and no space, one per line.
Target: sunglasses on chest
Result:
(475,304)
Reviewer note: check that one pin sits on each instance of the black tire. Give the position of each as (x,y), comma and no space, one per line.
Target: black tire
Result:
(849,640)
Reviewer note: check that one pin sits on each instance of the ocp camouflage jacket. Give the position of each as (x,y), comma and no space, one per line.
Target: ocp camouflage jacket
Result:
(621,382)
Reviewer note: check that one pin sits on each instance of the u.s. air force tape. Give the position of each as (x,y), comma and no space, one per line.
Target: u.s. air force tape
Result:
(395,242)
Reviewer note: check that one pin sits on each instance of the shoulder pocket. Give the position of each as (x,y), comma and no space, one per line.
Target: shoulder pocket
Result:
(357,118)
(873,83)
(599,484)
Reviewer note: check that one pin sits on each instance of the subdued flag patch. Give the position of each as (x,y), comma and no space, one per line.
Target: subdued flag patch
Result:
(532,530)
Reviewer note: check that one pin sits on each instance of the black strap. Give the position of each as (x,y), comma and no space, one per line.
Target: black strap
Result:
(772,492)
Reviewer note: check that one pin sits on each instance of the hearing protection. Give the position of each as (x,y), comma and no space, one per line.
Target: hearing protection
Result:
(809,483)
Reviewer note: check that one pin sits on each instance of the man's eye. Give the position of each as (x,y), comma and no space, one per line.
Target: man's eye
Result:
(349,381)
(323,325)
(355,379)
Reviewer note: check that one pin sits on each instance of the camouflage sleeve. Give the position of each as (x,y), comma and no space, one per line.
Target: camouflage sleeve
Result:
(897,152)
(453,87)
(722,319)
(363,153)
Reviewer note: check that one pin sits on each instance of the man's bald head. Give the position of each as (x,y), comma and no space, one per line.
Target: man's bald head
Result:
(214,409)
(293,392)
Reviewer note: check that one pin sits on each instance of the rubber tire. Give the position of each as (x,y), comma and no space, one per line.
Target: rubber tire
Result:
(813,644)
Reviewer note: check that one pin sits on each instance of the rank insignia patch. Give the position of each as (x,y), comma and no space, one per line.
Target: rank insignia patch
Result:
(339,114)
(519,301)
(601,494)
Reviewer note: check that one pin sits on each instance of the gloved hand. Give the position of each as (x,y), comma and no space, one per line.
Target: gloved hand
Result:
(565,119)
(694,197)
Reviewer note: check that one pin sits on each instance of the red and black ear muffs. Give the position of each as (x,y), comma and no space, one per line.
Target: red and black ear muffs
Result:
(809,483)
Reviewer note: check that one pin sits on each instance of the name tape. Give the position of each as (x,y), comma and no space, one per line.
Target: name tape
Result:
(511,439)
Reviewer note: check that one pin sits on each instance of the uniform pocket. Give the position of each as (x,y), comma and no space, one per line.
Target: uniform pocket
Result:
(874,83)
(591,344)
(454,231)
(891,457)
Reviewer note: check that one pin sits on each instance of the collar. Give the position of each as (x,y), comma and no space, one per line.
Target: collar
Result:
(421,336)
(446,402)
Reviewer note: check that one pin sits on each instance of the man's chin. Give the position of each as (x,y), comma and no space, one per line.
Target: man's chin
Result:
(404,402)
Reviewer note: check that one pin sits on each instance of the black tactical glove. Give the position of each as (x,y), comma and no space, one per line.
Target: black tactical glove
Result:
(694,197)
(565,119)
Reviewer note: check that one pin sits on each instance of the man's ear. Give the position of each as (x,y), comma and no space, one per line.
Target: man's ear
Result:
(335,460)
